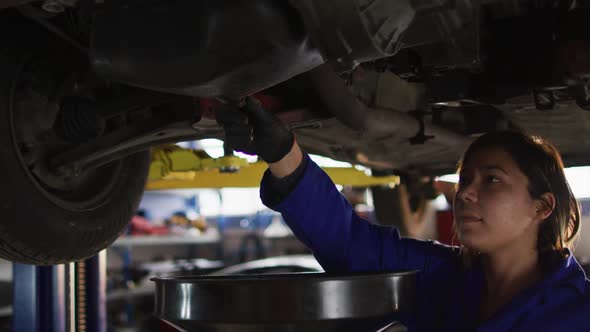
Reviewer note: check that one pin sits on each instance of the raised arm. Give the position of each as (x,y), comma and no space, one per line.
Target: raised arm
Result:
(342,241)
(312,206)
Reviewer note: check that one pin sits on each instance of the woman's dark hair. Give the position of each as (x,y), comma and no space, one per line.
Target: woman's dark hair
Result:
(541,163)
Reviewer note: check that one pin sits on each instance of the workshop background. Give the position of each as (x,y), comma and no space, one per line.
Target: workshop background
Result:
(203,230)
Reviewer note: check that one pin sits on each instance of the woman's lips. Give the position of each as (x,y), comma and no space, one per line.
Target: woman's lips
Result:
(470,219)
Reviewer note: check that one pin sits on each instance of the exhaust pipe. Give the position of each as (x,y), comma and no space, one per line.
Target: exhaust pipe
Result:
(371,121)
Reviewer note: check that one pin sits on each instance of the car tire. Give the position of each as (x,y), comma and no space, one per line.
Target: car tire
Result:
(43,226)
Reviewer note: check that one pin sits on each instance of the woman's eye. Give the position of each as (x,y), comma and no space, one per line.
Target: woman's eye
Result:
(493,179)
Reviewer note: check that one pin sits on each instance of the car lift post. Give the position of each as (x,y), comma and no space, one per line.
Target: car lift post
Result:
(60,298)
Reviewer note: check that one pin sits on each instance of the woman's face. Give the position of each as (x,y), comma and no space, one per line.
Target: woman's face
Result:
(492,206)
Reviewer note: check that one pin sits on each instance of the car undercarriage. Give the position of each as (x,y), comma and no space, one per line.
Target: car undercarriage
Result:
(401,87)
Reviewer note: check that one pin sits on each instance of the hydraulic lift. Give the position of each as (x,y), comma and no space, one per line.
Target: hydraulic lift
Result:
(174,167)
(60,298)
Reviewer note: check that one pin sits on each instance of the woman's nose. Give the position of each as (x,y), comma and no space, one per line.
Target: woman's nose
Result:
(467,193)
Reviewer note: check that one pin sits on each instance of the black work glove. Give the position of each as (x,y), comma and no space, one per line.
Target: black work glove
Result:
(253,130)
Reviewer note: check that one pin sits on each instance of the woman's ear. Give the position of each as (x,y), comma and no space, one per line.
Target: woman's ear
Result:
(545,206)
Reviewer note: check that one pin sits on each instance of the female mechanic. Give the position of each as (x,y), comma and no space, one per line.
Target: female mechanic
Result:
(515,216)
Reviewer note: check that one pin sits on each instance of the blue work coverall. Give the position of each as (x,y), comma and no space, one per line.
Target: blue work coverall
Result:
(448,292)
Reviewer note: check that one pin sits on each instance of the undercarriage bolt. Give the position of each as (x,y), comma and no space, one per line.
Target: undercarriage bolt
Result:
(57,6)
(53,6)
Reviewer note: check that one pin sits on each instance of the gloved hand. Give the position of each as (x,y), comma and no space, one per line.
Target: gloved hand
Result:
(255,131)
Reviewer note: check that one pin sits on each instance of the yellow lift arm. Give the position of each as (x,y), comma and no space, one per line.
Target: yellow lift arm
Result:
(174,167)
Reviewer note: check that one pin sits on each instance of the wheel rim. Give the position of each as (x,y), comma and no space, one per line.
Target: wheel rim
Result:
(31,117)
